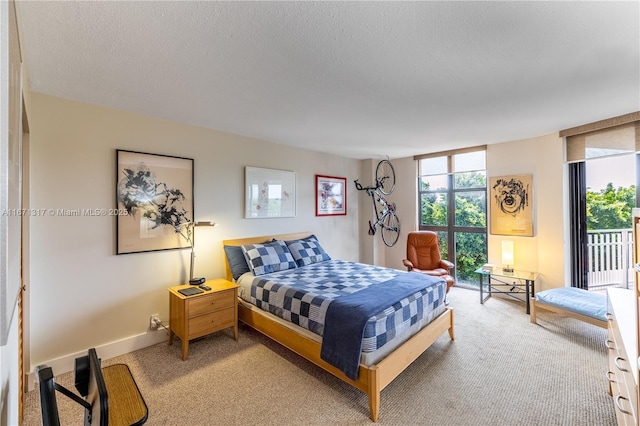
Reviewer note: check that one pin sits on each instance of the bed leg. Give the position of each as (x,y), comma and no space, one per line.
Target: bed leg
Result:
(532,310)
(451,334)
(374,406)
(374,395)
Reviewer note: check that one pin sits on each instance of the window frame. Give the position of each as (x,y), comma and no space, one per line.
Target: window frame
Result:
(451,229)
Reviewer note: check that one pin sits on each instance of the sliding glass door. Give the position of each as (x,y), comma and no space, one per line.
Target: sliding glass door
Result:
(603,187)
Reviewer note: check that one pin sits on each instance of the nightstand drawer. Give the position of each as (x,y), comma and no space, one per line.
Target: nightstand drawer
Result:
(209,323)
(210,303)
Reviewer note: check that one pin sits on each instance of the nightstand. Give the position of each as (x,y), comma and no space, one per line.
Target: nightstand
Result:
(195,316)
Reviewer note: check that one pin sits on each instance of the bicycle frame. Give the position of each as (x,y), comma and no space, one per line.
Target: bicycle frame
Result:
(380,214)
(385,217)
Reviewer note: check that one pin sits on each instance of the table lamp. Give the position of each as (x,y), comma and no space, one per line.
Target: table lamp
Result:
(507,256)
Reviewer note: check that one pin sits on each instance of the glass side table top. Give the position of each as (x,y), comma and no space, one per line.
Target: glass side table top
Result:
(498,272)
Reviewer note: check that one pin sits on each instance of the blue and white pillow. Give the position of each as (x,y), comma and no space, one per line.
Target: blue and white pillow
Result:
(269,257)
(307,251)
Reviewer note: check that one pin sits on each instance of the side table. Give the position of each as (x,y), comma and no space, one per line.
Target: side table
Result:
(516,282)
(195,316)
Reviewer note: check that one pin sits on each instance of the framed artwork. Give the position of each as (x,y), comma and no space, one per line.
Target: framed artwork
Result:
(331,195)
(269,193)
(154,198)
(511,201)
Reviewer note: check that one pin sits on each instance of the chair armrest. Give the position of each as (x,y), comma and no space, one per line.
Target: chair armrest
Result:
(408,264)
(438,272)
(447,265)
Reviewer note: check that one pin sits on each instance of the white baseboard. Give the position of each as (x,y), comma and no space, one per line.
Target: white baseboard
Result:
(66,363)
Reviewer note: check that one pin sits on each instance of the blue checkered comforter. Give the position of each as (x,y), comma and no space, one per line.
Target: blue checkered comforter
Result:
(302,295)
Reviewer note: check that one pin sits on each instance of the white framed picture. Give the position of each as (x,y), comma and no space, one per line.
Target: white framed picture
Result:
(269,193)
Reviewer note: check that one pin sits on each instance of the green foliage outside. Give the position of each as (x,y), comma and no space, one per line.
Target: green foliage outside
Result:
(433,210)
(470,211)
(471,254)
(610,208)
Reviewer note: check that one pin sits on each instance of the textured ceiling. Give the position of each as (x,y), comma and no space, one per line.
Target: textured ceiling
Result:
(358,79)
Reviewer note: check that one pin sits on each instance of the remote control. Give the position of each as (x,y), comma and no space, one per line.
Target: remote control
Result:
(205,287)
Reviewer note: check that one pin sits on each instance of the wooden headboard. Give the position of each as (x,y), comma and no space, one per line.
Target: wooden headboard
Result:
(259,240)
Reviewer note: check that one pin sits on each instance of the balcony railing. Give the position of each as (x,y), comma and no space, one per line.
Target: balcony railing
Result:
(610,258)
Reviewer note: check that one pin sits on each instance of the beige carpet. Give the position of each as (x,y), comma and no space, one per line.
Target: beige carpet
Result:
(500,370)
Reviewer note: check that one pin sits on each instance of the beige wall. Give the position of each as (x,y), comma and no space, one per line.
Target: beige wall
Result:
(544,252)
(82,294)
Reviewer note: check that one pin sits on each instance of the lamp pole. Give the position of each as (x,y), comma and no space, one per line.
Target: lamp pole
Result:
(190,227)
(193,256)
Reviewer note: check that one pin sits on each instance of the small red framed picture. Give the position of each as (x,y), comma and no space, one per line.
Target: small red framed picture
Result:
(331,195)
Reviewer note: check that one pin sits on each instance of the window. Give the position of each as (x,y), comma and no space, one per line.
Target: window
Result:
(452,200)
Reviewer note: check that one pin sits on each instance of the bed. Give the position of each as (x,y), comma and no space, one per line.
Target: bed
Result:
(377,364)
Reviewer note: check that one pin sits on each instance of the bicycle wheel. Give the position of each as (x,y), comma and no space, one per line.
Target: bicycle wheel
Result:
(386,176)
(390,229)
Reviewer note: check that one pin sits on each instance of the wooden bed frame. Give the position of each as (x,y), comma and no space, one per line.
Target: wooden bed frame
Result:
(371,379)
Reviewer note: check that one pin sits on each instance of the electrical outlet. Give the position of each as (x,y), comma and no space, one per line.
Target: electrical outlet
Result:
(154,321)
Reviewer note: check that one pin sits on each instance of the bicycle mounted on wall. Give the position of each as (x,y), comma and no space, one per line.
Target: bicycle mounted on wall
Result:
(386,217)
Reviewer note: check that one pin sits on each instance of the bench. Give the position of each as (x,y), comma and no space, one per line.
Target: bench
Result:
(574,302)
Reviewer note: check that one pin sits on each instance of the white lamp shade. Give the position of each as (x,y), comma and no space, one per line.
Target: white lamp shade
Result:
(507,252)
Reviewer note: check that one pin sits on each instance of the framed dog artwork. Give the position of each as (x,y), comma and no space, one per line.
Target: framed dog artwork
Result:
(511,205)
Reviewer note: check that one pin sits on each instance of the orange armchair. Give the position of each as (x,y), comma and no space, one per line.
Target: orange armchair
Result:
(423,256)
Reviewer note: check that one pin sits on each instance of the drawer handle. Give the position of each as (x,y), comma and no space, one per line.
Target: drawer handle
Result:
(615,361)
(617,402)
(608,374)
(606,343)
